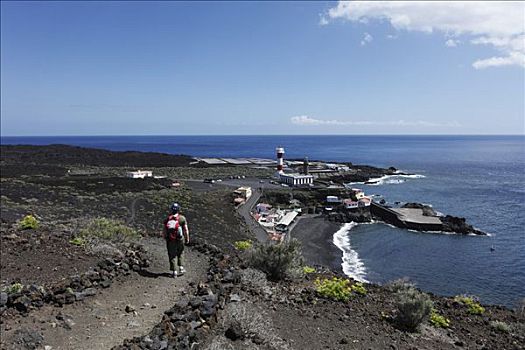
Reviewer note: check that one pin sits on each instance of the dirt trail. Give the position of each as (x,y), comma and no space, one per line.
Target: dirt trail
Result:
(131,218)
(101,321)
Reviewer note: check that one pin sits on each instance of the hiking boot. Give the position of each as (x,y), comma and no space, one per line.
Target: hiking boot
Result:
(174,274)
(181,270)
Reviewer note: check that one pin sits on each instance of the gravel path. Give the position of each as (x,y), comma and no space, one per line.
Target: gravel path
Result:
(101,322)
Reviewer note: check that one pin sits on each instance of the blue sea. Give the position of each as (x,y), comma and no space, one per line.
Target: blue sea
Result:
(481,178)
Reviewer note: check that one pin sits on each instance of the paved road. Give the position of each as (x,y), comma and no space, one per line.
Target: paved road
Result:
(244,211)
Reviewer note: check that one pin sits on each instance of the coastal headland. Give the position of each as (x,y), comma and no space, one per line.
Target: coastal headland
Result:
(64,286)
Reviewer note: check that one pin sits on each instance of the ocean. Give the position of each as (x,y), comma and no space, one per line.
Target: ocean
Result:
(481,178)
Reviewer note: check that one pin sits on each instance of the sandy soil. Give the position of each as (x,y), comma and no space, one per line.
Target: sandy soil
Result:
(40,257)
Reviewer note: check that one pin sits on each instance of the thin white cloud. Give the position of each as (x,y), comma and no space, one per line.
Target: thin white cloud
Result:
(493,23)
(511,60)
(367,38)
(452,43)
(323,21)
(305,120)
(390,36)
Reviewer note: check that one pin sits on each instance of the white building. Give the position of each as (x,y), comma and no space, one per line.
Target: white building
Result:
(337,167)
(263,208)
(139,174)
(350,204)
(332,199)
(243,192)
(284,223)
(296,179)
(360,203)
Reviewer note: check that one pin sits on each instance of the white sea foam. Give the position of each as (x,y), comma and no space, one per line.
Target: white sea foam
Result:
(352,265)
(371,222)
(387,180)
(410,176)
(448,233)
(387,224)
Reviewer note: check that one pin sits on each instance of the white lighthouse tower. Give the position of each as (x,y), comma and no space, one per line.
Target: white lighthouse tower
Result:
(280,160)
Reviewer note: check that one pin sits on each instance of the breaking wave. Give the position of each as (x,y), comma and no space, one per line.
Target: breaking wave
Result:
(352,265)
(388,180)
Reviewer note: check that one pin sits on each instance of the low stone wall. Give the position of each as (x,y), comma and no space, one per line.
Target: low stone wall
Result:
(75,288)
(189,321)
(220,309)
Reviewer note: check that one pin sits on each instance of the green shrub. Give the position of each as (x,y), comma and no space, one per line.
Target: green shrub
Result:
(472,303)
(358,288)
(277,261)
(108,229)
(14,288)
(242,245)
(334,288)
(78,241)
(500,326)
(413,308)
(476,309)
(438,320)
(399,285)
(308,269)
(28,222)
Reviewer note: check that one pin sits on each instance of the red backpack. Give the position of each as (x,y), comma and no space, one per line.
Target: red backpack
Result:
(173,228)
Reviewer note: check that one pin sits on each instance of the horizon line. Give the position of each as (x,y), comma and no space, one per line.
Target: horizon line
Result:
(265,135)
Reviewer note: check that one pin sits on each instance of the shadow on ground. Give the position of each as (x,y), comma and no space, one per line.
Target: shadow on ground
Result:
(149,274)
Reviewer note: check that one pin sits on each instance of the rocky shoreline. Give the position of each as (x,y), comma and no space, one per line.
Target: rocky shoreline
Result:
(339,213)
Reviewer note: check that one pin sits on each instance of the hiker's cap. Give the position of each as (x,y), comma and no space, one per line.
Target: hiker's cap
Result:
(175,207)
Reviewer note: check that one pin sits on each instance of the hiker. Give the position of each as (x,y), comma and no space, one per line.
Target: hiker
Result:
(177,234)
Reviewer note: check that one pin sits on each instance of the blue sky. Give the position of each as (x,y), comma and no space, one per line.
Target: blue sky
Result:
(132,68)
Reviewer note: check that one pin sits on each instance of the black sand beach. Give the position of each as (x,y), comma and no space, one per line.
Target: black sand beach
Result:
(316,236)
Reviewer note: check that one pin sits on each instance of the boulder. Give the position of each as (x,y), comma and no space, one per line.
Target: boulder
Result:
(105,283)
(22,303)
(207,308)
(234,332)
(3,298)
(427,210)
